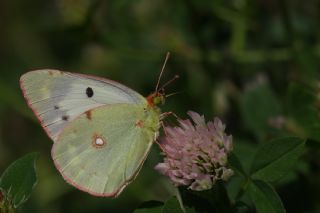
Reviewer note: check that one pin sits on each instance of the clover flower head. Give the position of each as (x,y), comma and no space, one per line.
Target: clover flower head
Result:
(196,154)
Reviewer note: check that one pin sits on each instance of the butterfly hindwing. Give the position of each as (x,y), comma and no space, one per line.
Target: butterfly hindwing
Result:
(58,97)
(101,152)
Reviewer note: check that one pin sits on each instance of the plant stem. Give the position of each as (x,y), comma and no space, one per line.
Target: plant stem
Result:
(243,188)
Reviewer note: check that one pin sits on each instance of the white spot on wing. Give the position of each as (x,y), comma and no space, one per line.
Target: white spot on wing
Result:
(99,142)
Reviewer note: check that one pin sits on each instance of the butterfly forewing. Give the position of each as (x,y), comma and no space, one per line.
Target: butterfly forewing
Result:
(58,97)
(102,153)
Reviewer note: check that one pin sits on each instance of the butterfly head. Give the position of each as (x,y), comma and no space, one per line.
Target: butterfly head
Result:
(156,98)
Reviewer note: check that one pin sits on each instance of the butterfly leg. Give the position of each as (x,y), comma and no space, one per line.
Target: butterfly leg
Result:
(163,127)
(165,132)
(165,114)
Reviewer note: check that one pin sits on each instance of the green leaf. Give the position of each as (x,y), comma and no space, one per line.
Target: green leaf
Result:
(258,105)
(197,201)
(18,179)
(151,206)
(265,197)
(276,158)
(189,210)
(304,108)
(245,151)
(235,164)
(215,199)
(172,206)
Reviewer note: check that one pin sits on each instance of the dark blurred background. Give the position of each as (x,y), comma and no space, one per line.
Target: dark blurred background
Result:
(235,59)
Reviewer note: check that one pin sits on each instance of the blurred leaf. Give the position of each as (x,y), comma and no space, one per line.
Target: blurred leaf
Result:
(265,197)
(172,206)
(245,151)
(304,109)
(258,105)
(305,58)
(235,186)
(192,200)
(212,200)
(189,210)
(13,99)
(276,158)
(235,164)
(152,206)
(18,179)
(74,13)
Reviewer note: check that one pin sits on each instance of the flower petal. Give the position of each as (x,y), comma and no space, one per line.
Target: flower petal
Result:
(196,153)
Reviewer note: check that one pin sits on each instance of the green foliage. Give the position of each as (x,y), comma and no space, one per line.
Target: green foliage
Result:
(236,165)
(276,158)
(304,107)
(212,200)
(172,205)
(151,206)
(272,161)
(265,198)
(18,180)
(258,106)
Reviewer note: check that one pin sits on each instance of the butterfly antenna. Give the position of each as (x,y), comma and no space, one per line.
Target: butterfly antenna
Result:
(161,73)
(169,82)
(171,94)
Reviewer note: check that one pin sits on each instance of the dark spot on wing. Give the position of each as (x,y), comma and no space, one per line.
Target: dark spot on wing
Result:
(89,92)
(65,117)
(89,115)
(56,107)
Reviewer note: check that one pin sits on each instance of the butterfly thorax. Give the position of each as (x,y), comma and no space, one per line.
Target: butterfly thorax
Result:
(153,111)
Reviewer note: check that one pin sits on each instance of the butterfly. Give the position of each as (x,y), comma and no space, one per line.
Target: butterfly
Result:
(102,130)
